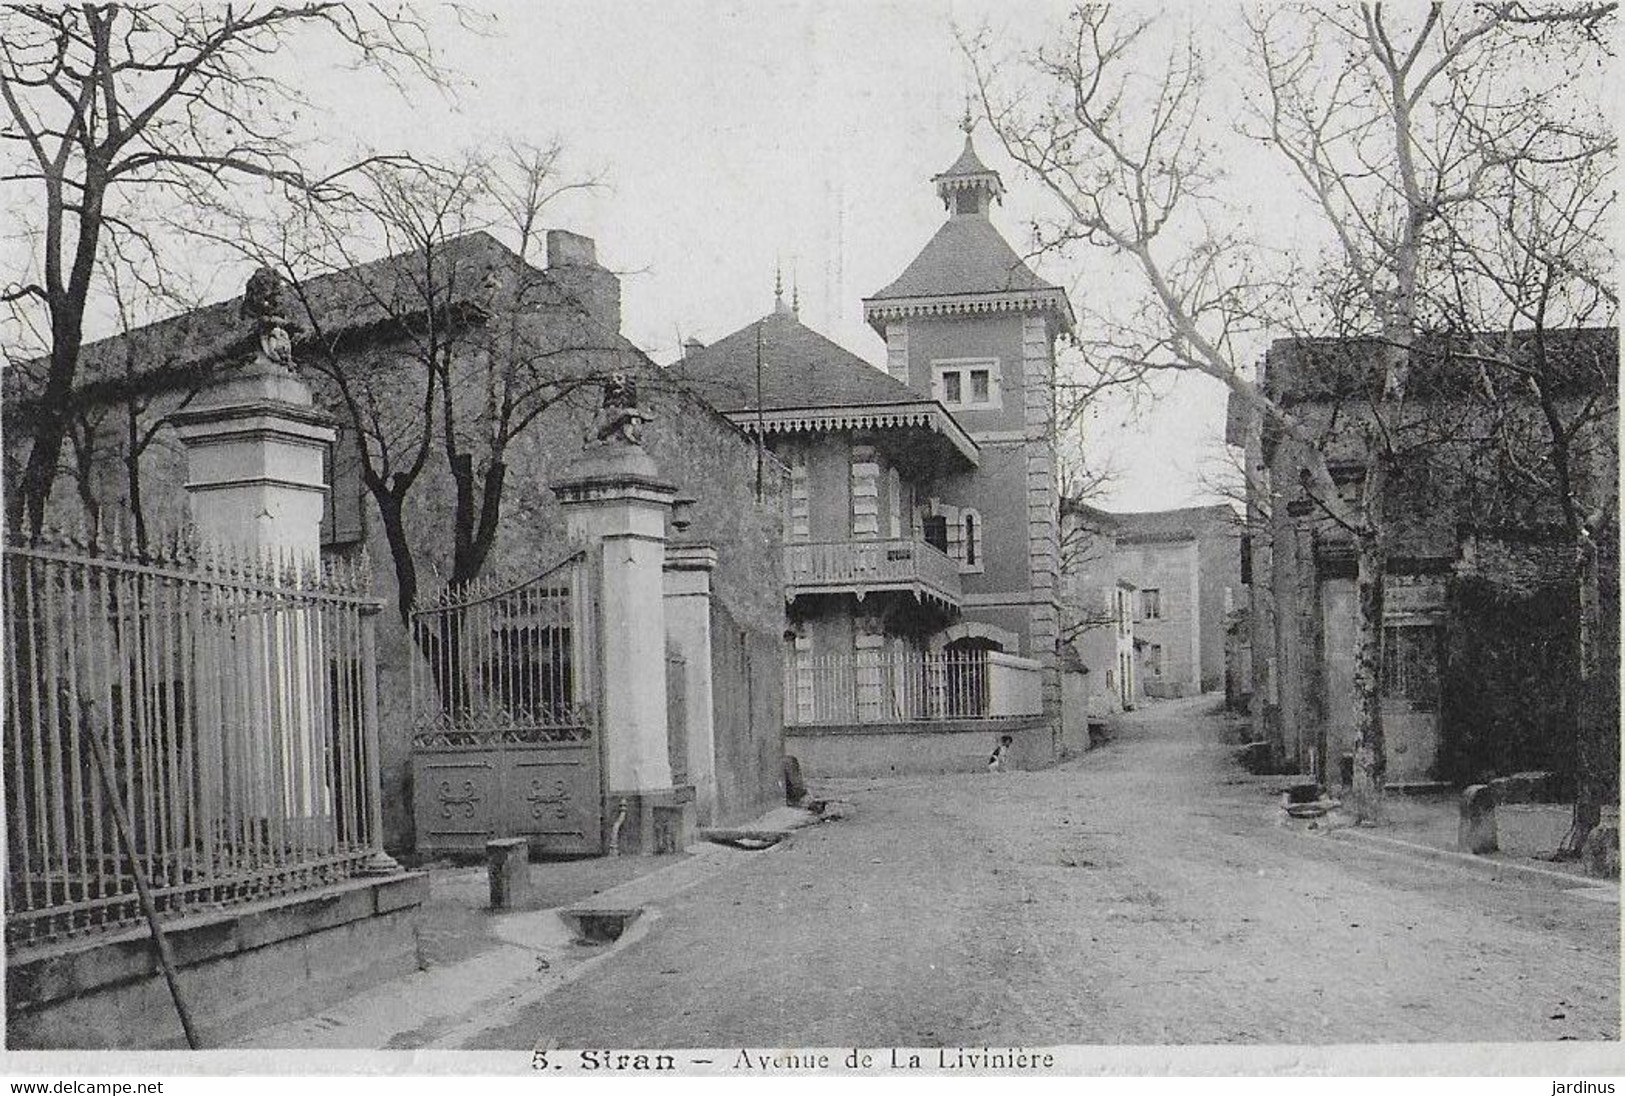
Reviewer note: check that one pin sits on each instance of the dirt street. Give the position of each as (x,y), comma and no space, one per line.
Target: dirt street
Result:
(1148,892)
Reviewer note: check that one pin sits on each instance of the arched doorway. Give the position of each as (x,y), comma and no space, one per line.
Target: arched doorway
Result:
(965,684)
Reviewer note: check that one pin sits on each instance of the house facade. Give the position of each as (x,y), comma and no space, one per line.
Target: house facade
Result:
(1099,607)
(1185,565)
(1160,584)
(1476,674)
(921,553)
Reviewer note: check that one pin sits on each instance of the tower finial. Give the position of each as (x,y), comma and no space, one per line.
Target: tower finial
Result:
(968,122)
(779,307)
(795,292)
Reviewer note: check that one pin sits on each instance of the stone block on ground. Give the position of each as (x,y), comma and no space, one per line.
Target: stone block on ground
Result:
(1255,757)
(1600,855)
(1526,787)
(1306,792)
(507,860)
(1475,832)
(795,787)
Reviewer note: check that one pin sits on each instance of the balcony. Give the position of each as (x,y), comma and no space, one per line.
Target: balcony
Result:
(862,567)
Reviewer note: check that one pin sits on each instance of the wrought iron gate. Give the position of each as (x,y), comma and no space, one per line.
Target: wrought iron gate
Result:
(504,738)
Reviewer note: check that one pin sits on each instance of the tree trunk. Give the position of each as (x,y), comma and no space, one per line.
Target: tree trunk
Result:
(1370,756)
(1594,765)
(400,554)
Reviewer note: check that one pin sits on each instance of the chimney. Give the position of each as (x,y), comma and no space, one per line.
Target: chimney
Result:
(572,264)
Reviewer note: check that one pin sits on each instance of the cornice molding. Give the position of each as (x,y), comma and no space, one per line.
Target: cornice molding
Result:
(927,414)
(1052,299)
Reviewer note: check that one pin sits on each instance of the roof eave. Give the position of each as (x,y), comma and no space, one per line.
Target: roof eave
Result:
(1049,298)
(926,413)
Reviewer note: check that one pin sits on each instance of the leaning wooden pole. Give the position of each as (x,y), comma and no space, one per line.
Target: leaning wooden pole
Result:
(166,958)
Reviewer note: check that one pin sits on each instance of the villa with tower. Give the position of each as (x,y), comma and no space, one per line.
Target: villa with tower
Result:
(921,554)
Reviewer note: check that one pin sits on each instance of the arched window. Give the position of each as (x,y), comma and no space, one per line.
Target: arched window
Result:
(972,552)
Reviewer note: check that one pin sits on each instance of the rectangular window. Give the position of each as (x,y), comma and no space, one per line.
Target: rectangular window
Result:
(966,383)
(865,499)
(1153,660)
(1410,666)
(935,530)
(1151,604)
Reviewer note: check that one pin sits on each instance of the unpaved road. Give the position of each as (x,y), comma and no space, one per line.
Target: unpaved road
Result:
(1145,893)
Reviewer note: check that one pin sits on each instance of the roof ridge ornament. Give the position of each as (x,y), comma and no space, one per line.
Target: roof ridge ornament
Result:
(779,307)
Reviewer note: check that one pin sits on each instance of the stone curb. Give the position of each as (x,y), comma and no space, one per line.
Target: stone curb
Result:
(1479,864)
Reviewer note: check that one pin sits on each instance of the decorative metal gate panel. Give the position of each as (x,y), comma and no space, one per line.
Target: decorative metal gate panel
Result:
(505,741)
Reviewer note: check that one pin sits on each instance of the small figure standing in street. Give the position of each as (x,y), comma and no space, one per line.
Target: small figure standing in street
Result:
(995,763)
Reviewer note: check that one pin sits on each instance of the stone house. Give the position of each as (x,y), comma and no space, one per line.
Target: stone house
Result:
(1180,572)
(1476,662)
(365,322)
(921,529)
(1099,609)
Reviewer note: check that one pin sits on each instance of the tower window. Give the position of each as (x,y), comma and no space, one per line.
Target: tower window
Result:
(968,201)
(966,383)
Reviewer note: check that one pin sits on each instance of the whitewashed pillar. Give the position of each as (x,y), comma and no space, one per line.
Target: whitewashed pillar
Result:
(688,627)
(615,502)
(254,449)
(255,445)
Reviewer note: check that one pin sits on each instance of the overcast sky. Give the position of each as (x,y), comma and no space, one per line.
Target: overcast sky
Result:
(737,137)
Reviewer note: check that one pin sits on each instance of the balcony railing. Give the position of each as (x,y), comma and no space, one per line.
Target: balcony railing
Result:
(907,687)
(862,566)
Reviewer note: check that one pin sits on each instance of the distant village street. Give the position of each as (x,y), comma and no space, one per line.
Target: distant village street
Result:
(1149,892)
(967,529)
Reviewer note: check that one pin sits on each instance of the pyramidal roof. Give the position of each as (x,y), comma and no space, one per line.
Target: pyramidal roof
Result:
(967,255)
(799,369)
(967,266)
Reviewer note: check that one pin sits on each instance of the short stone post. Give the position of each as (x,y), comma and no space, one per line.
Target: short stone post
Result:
(507,861)
(1475,833)
(688,627)
(616,503)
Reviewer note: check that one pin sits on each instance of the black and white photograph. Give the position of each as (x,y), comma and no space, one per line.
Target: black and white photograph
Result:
(912,539)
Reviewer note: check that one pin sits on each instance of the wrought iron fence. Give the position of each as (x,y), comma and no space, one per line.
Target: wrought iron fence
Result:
(218,708)
(502,661)
(877,686)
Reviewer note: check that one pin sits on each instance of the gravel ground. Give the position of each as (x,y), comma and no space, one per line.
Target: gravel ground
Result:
(1149,892)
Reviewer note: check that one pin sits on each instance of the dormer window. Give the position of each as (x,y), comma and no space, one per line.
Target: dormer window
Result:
(966,383)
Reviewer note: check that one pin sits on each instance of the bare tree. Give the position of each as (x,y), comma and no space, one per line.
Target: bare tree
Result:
(1083,545)
(117,109)
(472,346)
(1361,106)
(1534,259)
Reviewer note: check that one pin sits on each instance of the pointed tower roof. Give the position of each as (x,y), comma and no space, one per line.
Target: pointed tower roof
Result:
(968,173)
(967,266)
